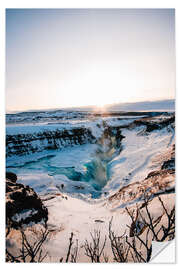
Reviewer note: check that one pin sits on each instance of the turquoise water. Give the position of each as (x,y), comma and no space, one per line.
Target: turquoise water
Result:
(89,165)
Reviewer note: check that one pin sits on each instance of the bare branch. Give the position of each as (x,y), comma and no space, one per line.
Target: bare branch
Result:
(93,250)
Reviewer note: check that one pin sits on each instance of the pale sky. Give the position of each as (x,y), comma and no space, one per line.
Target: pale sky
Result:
(59,58)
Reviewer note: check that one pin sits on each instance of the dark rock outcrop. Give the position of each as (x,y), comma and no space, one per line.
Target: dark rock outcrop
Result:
(23,144)
(170,163)
(23,206)
(11,176)
(152,125)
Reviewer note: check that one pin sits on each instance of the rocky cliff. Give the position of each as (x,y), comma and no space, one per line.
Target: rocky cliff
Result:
(21,144)
(23,205)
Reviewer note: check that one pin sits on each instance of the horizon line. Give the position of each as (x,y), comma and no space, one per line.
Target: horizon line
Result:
(87,106)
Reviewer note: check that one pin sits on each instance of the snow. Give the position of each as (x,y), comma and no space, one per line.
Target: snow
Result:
(69,214)
(135,160)
(75,182)
(40,182)
(37,128)
(24,214)
(81,218)
(94,124)
(47,171)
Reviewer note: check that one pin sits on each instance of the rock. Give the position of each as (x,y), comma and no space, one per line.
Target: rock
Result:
(99,220)
(23,206)
(152,174)
(151,125)
(24,144)
(11,176)
(78,187)
(169,164)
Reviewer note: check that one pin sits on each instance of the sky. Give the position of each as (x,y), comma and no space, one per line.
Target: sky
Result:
(58,58)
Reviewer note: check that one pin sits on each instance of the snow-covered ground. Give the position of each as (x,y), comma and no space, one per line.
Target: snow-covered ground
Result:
(75,181)
(82,218)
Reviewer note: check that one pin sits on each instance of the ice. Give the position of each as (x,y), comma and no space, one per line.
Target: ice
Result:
(93,169)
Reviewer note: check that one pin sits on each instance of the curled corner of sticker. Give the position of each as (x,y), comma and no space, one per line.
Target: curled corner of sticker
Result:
(163,252)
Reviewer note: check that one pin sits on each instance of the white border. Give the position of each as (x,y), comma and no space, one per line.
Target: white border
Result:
(89,4)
